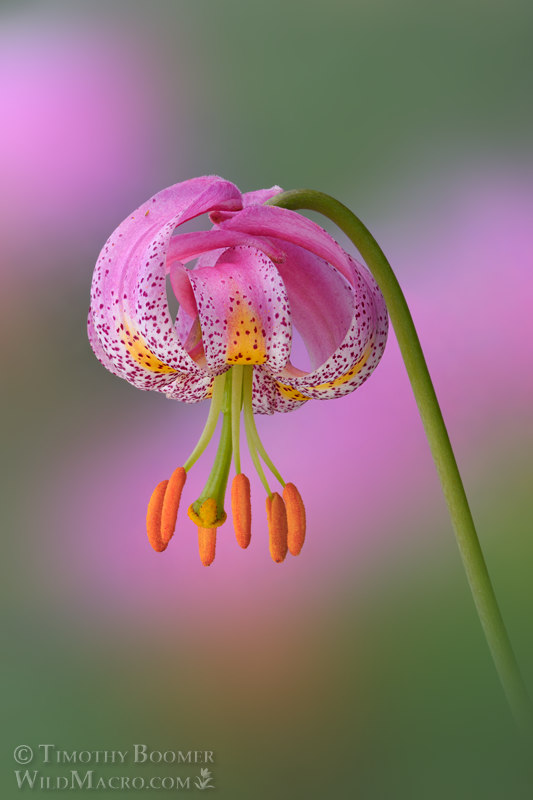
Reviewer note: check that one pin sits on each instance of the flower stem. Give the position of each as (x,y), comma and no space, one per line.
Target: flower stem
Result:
(439,442)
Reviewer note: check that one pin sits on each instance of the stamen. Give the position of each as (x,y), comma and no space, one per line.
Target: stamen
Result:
(277,527)
(153,517)
(255,444)
(171,501)
(295,518)
(249,425)
(255,457)
(211,423)
(241,508)
(207,539)
(236,403)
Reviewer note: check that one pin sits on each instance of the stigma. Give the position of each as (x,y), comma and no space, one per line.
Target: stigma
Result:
(231,397)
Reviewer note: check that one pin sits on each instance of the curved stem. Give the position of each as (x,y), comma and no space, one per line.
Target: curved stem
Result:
(428,406)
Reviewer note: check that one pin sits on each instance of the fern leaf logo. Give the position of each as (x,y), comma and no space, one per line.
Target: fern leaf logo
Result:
(204,779)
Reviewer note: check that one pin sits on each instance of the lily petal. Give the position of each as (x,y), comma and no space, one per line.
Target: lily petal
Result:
(321,301)
(129,310)
(243,310)
(258,197)
(186,246)
(267,398)
(281,223)
(358,354)
(190,389)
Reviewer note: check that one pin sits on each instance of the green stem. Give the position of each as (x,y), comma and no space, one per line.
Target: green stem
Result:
(452,485)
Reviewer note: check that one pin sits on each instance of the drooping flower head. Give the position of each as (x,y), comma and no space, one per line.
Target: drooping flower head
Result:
(242,287)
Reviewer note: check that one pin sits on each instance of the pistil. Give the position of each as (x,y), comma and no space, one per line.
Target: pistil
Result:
(208,510)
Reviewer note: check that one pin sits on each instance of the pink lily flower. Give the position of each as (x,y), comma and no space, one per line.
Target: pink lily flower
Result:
(259,272)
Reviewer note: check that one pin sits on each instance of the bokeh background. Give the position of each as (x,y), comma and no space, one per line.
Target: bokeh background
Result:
(358,669)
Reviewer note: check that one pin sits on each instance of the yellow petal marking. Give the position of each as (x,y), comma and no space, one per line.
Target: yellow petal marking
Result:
(246,340)
(139,350)
(294,394)
(290,393)
(357,367)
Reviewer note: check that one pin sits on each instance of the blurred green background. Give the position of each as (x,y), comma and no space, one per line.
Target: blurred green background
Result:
(359,669)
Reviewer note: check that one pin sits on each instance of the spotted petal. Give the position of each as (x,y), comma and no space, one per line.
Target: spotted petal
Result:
(356,356)
(281,223)
(186,246)
(267,397)
(243,311)
(130,326)
(261,270)
(320,299)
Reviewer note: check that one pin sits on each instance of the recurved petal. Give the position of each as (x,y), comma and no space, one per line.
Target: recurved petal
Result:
(129,312)
(321,300)
(243,311)
(258,197)
(96,346)
(183,247)
(189,388)
(268,397)
(359,352)
(281,223)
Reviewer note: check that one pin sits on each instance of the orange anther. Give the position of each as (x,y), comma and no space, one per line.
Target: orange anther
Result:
(171,503)
(295,518)
(277,527)
(207,539)
(153,517)
(241,507)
